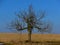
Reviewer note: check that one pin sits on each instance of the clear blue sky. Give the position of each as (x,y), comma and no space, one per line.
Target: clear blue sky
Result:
(9,7)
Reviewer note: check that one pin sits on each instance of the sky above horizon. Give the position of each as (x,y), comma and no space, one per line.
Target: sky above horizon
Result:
(9,7)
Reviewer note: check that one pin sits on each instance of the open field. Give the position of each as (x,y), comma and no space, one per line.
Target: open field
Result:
(35,37)
(15,37)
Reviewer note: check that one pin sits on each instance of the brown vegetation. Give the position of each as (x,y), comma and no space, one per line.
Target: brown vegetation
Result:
(8,37)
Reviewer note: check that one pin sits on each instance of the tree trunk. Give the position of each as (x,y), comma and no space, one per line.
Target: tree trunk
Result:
(29,37)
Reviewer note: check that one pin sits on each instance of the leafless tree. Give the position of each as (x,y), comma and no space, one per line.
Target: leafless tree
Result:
(28,20)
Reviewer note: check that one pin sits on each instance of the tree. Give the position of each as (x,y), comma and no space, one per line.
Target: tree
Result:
(28,20)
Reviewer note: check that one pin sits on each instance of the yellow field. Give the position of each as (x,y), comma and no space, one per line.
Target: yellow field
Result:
(7,37)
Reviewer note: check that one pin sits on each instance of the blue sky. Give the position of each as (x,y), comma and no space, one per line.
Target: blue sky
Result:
(9,7)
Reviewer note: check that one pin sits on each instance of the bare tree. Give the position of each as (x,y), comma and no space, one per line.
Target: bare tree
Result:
(28,20)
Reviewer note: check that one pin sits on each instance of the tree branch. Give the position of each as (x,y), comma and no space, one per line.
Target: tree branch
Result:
(45,29)
(22,29)
(37,27)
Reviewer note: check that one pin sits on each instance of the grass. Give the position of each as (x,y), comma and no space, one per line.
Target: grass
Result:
(15,38)
(35,43)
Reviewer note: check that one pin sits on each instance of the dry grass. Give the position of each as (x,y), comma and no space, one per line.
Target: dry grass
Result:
(6,37)
(15,37)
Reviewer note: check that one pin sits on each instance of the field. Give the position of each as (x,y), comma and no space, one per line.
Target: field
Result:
(36,38)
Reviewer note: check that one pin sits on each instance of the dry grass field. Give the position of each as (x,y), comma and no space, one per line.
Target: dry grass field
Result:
(8,37)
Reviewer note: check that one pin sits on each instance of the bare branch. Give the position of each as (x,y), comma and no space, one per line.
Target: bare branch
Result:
(47,28)
(42,15)
(22,29)
(30,21)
